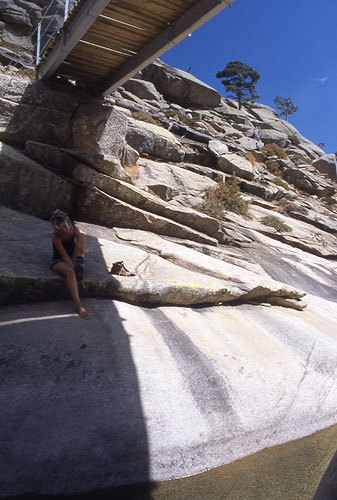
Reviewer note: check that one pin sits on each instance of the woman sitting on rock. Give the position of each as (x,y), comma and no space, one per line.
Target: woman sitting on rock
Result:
(69,247)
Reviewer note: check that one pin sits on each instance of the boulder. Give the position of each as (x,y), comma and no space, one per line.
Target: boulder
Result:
(217,147)
(229,109)
(181,87)
(95,206)
(144,106)
(13,14)
(142,89)
(99,129)
(53,95)
(25,122)
(164,192)
(298,155)
(21,59)
(309,182)
(326,165)
(146,201)
(268,136)
(266,191)
(250,144)
(62,161)
(27,186)
(189,181)
(105,164)
(232,163)
(151,140)
(271,120)
(55,159)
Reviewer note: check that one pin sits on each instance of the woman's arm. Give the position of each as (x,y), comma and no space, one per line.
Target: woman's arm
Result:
(81,245)
(60,248)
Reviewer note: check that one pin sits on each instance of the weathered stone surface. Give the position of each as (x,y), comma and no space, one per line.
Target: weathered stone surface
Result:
(167,272)
(290,338)
(232,163)
(326,165)
(146,201)
(142,105)
(267,190)
(25,185)
(250,144)
(12,13)
(217,147)
(130,156)
(100,208)
(189,184)
(155,141)
(55,159)
(231,112)
(99,129)
(24,122)
(306,230)
(164,192)
(142,89)
(273,136)
(309,182)
(181,87)
(62,161)
(105,164)
(271,120)
(53,95)
(22,60)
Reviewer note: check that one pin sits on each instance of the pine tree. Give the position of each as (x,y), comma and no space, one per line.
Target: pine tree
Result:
(239,80)
(285,106)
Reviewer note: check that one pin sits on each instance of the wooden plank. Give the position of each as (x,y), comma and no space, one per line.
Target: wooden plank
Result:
(128,50)
(113,23)
(167,10)
(131,19)
(103,65)
(116,40)
(90,57)
(147,18)
(113,26)
(101,55)
(121,33)
(91,50)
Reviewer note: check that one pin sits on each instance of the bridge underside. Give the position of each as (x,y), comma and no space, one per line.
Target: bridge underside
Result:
(104,43)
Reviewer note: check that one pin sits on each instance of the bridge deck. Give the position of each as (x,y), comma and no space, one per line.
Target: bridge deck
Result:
(104,43)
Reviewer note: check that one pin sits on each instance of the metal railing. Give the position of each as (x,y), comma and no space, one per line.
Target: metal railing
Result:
(51,23)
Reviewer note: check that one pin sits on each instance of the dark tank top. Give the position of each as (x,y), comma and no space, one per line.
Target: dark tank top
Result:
(69,246)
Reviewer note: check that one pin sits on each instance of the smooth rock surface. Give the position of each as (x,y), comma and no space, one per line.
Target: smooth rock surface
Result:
(141,393)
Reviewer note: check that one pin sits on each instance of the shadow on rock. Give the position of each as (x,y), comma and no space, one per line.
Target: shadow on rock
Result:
(72,419)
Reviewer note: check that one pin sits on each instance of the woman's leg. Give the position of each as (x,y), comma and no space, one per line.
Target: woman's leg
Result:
(69,273)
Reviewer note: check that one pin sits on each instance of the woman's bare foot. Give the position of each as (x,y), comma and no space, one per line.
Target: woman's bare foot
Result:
(83,313)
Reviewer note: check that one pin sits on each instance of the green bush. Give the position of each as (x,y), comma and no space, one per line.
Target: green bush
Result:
(226,196)
(272,221)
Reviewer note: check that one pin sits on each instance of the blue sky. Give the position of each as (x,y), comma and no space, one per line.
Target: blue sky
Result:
(293,46)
